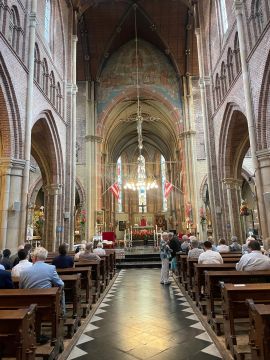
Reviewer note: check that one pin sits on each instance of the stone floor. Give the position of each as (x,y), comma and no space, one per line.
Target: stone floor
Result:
(141,319)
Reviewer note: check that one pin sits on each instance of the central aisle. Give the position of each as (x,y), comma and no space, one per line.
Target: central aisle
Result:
(141,319)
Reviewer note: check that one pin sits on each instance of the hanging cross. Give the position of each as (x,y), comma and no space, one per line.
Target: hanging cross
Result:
(142,206)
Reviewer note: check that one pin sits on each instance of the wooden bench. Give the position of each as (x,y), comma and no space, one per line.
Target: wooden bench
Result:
(17,333)
(259,335)
(112,262)
(72,290)
(48,310)
(183,271)
(213,291)
(234,307)
(199,280)
(86,286)
(96,277)
(233,254)
(108,270)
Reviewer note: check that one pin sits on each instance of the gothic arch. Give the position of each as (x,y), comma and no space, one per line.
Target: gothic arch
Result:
(10,124)
(234,142)
(81,192)
(264,109)
(46,148)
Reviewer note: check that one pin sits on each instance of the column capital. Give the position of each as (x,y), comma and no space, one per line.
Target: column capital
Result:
(231,183)
(74,38)
(53,189)
(93,138)
(237,7)
(186,134)
(204,81)
(72,89)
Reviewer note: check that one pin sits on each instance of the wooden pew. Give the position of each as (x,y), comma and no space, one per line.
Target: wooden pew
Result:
(96,277)
(86,285)
(108,264)
(199,280)
(183,271)
(111,252)
(233,254)
(213,291)
(48,310)
(72,290)
(234,307)
(259,335)
(17,333)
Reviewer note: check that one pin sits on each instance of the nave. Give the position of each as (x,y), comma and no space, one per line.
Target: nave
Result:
(141,319)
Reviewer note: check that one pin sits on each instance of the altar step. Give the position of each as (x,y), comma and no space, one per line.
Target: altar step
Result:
(139,261)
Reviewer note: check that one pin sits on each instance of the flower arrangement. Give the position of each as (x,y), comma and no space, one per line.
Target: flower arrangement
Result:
(83,217)
(142,234)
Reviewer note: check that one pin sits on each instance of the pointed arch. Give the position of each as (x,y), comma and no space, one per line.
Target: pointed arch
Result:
(37,63)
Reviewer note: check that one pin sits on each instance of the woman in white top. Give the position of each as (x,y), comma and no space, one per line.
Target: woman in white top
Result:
(222,247)
(99,250)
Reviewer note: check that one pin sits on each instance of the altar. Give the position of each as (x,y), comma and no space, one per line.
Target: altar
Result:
(146,227)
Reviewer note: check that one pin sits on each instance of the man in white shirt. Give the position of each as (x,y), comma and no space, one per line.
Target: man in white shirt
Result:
(254,260)
(23,263)
(209,256)
(99,250)
(194,252)
(222,247)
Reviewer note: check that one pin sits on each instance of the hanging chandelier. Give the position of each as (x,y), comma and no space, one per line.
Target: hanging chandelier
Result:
(140,181)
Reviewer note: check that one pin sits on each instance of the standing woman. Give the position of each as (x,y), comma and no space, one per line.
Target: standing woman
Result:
(165,254)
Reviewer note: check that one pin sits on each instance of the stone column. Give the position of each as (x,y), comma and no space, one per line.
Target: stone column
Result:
(52,193)
(238,9)
(91,143)
(5,170)
(204,80)
(28,118)
(232,189)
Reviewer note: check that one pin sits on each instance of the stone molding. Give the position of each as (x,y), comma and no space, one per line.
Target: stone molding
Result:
(232,184)
(94,138)
(186,134)
(53,189)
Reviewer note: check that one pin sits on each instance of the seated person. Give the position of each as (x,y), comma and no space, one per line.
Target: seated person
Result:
(14,257)
(222,247)
(63,260)
(88,254)
(5,279)
(23,263)
(80,251)
(5,261)
(99,249)
(209,256)
(194,251)
(254,260)
(245,249)
(40,275)
(235,246)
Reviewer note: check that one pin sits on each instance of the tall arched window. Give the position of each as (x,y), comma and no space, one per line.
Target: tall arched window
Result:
(47,20)
(223,16)
(119,180)
(52,88)
(37,64)
(45,76)
(163,180)
(237,54)
(14,28)
(230,65)
(142,188)
(2,10)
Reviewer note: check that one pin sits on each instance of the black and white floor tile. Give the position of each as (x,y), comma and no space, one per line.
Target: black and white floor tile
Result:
(141,319)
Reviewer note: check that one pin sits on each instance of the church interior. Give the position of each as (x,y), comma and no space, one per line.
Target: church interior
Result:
(121,120)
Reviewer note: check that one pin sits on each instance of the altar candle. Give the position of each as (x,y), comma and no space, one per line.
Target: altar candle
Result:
(125,235)
(131,233)
(156,228)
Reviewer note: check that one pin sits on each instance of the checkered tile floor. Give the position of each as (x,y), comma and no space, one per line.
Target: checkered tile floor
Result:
(141,319)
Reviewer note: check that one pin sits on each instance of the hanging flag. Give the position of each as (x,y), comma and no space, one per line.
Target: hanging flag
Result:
(167,188)
(115,190)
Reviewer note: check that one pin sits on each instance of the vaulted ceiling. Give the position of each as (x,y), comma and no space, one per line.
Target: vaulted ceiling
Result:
(105,25)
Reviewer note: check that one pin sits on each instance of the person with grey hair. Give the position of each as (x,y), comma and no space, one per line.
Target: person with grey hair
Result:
(99,250)
(194,252)
(165,254)
(235,246)
(88,254)
(185,244)
(40,275)
(175,245)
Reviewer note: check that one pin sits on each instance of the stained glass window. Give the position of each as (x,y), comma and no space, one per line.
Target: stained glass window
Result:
(141,182)
(163,179)
(47,20)
(119,180)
